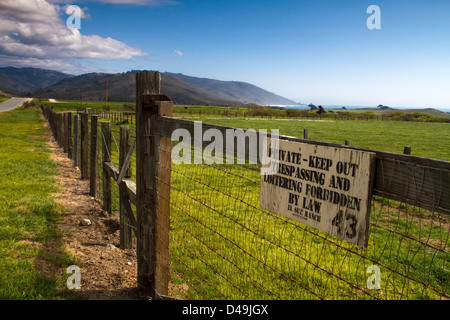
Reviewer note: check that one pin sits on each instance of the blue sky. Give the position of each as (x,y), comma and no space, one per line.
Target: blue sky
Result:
(307,50)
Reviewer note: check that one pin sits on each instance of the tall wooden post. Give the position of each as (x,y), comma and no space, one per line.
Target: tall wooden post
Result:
(75,140)
(84,146)
(106,157)
(59,118)
(65,133)
(69,133)
(126,239)
(52,121)
(153,165)
(55,126)
(93,158)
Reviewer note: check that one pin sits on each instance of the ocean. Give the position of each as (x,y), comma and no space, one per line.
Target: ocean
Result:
(328,107)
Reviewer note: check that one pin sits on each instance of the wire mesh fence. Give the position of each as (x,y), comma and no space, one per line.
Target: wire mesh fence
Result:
(225,246)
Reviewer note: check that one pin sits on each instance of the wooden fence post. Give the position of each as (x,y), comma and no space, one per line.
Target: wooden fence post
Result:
(407,150)
(69,135)
(153,163)
(59,118)
(65,133)
(106,157)
(53,123)
(75,140)
(305,133)
(126,239)
(84,146)
(93,158)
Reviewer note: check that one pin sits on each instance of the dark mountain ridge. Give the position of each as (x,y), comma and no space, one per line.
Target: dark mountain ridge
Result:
(182,89)
(235,90)
(19,80)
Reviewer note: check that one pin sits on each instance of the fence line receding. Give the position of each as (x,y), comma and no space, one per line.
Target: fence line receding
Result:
(200,232)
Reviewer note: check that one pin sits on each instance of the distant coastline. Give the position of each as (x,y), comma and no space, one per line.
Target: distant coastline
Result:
(340,107)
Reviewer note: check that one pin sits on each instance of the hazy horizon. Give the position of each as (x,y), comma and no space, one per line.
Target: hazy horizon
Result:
(334,106)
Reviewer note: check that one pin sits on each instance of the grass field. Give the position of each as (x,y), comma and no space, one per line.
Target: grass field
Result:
(224,246)
(28,213)
(271,251)
(430,140)
(71,105)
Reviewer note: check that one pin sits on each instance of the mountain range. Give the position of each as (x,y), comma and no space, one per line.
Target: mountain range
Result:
(18,81)
(182,89)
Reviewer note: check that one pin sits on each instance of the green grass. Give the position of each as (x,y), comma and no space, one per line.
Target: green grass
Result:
(28,213)
(430,140)
(224,246)
(221,230)
(4,98)
(71,105)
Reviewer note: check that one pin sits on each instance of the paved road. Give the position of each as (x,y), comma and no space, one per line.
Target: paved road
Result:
(12,104)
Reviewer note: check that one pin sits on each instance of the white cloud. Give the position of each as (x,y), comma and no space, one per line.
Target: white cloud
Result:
(29,10)
(126,2)
(34,31)
(178,53)
(137,2)
(70,67)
